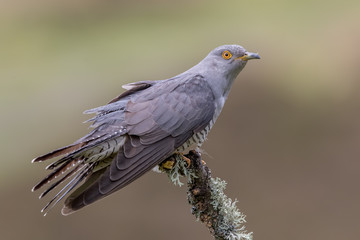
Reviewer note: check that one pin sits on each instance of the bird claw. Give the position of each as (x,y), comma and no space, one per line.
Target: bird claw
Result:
(168,164)
(187,160)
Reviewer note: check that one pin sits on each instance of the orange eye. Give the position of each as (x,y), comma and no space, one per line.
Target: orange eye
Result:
(226,55)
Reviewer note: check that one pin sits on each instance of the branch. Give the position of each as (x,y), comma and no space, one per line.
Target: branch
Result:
(206,196)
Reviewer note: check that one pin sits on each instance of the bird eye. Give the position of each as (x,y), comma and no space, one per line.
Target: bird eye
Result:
(226,55)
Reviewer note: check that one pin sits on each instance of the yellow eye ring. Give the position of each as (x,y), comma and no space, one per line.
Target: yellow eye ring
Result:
(226,55)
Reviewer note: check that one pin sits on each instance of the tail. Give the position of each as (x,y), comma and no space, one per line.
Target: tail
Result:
(67,164)
(81,161)
(71,164)
(59,152)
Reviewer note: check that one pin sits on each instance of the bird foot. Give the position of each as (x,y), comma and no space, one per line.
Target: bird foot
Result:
(168,164)
(187,160)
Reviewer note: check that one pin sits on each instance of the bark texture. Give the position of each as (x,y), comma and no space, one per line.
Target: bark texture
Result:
(206,196)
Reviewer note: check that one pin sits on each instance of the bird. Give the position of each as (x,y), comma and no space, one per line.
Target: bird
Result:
(140,128)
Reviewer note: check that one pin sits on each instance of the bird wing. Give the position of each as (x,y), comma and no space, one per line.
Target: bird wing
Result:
(158,121)
(88,156)
(138,130)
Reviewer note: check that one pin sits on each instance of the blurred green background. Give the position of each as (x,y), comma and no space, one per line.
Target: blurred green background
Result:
(287,142)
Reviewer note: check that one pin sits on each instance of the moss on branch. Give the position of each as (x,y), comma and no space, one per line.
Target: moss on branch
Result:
(206,196)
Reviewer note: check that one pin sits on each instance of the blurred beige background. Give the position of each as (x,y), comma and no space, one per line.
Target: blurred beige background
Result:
(287,143)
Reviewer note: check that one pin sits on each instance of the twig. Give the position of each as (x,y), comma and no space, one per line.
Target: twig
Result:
(206,196)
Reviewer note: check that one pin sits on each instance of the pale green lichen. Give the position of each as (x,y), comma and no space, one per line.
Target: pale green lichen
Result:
(180,169)
(225,219)
(231,219)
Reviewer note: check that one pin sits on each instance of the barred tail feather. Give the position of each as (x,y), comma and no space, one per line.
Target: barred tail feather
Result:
(63,179)
(67,209)
(83,172)
(59,152)
(54,174)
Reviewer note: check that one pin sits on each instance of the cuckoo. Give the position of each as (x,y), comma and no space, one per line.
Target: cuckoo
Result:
(142,127)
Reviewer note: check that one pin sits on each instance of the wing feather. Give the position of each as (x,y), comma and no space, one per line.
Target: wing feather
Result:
(157,120)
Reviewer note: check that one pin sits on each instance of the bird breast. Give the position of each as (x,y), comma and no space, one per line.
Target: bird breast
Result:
(198,138)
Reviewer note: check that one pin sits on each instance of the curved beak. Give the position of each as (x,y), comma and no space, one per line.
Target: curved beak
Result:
(249,56)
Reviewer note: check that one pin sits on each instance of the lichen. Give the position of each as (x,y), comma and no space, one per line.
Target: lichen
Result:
(179,169)
(206,195)
(230,220)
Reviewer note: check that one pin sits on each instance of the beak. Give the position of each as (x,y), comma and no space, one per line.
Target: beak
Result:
(249,56)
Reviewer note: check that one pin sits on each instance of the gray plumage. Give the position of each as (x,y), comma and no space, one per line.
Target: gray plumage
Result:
(142,127)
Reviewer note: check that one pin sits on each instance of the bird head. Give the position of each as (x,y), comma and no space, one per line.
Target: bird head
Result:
(222,65)
(229,58)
